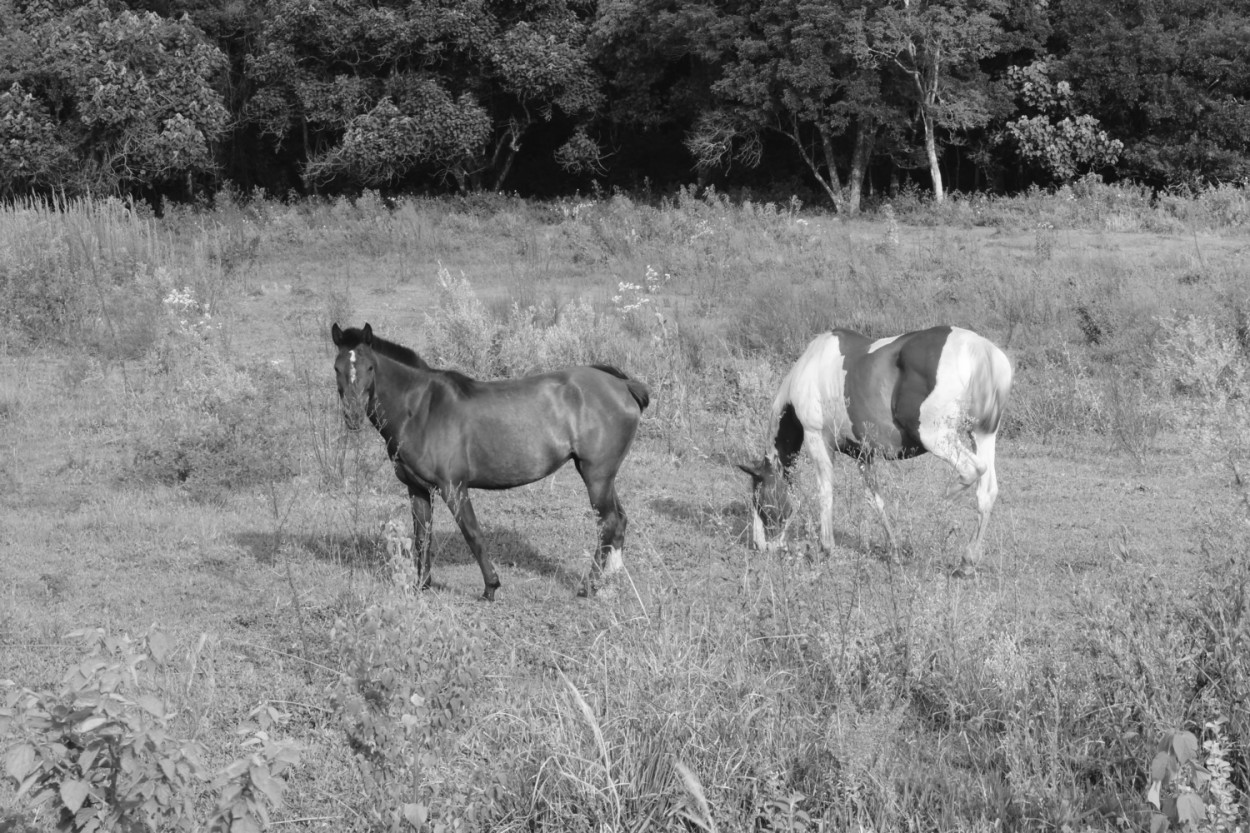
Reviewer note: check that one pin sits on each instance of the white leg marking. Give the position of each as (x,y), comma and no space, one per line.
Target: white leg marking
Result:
(819,450)
(758,538)
(987,493)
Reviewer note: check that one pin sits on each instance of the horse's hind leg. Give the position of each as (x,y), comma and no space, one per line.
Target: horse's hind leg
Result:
(457,498)
(422,527)
(942,433)
(987,493)
(601,488)
(874,491)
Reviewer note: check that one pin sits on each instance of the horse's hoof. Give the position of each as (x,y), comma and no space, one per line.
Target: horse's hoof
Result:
(597,589)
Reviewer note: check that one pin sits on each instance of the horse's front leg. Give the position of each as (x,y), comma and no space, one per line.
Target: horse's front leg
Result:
(873,486)
(422,533)
(457,498)
(823,458)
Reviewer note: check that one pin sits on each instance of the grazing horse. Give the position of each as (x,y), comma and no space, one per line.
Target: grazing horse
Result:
(448,433)
(897,397)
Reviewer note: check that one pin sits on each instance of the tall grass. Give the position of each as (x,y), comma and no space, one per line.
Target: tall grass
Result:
(778,693)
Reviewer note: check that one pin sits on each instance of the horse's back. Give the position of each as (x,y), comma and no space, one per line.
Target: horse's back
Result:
(868,394)
(503,433)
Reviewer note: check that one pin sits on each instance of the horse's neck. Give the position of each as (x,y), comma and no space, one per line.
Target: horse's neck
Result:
(395,382)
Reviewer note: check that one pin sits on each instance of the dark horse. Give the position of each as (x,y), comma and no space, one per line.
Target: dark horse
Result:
(448,433)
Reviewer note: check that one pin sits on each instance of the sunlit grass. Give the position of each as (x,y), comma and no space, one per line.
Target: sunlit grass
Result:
(199,477)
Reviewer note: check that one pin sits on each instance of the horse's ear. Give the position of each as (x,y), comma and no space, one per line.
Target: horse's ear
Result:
(336,334)
(755,469)
(366,335)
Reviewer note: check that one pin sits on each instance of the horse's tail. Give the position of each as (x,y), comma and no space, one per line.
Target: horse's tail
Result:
(992,386)
(640,392)
(637,389)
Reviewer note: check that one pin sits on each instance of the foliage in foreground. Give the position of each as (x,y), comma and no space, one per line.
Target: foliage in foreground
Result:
(407,682)
(102,752)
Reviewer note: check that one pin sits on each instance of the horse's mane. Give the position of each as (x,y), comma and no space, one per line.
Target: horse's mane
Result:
(353,337)
(611,370)
(462,383)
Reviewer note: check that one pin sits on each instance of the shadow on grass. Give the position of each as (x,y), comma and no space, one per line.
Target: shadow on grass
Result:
(734,522)
(367,551)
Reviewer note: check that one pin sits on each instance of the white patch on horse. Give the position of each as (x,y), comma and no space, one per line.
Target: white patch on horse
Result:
(946,412)
(614,563)
(351,366)
(815,388)
(881,342)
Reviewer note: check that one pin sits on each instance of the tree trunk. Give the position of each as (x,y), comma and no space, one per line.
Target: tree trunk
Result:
(507,148)
(865,138)
(832,185)
(930,149)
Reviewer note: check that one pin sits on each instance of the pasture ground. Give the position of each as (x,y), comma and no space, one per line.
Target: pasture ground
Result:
(201,483)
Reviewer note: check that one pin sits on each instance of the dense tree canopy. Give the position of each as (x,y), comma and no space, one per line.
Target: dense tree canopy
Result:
(177,96)
(1169,79)
(102,99)
(379,93)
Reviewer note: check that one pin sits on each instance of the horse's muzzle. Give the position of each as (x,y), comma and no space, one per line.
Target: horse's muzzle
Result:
(353,417)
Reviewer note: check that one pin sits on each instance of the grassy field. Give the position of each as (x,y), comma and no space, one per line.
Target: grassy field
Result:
(176,465)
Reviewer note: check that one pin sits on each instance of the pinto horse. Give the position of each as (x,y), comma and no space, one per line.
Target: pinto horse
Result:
(893,398)
(447,433)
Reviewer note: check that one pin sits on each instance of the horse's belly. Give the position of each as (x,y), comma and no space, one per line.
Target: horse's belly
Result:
(514,472)
(504,461)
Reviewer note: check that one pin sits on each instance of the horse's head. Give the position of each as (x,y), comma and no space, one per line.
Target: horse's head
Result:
(355,371)
(771,506)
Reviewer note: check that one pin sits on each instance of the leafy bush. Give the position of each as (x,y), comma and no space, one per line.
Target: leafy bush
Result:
(127,100)
(222,427)
(102,753)
(1055,138)
(1179,784)
(1200,364)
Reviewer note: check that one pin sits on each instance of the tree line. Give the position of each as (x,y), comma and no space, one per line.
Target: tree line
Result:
(839,98)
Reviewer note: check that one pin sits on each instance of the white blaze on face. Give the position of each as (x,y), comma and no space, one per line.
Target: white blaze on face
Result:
(351,366)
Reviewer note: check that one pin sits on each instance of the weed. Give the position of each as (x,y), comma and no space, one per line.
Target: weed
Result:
(409,676)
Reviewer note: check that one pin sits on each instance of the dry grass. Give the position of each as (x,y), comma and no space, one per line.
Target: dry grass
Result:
(196,476)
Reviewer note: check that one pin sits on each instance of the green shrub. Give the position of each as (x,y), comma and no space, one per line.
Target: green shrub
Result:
(221,427)
(102,752)
(1201,364)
